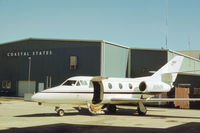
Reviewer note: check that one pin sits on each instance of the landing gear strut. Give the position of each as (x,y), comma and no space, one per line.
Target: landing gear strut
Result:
(141,109)
(60,112)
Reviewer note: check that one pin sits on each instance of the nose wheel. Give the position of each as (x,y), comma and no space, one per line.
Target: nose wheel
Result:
(60,112)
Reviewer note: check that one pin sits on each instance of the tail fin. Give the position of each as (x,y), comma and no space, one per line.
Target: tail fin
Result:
(169,71)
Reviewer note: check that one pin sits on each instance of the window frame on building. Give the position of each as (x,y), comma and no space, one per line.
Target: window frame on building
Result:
(6,84)
(73,62)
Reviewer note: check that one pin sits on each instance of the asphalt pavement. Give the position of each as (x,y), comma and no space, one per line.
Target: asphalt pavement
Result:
(18,116)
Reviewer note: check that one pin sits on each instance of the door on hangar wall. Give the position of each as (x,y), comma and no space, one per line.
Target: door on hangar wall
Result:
(26,87)
(40,87)
(182,93)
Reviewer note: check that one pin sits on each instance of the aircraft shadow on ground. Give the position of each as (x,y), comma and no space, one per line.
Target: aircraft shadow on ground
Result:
(120,112)
(77,128)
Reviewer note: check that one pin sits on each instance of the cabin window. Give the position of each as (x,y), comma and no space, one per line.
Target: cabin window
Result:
(120,86)
(83,82)
(109,85)
(6,84)
(130,86)
(70,83)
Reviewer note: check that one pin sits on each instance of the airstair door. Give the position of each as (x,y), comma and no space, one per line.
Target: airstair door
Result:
(97,97)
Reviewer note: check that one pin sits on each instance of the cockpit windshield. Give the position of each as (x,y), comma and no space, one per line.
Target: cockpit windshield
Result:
(83,82)
(76,83)
(70,83)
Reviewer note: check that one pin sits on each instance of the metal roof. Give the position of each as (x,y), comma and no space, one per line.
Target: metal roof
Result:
(149,49)
(169,50)
(72,40)
(101,41)
(178,53)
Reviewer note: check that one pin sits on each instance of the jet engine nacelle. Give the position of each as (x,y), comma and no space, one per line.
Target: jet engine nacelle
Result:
(152,86)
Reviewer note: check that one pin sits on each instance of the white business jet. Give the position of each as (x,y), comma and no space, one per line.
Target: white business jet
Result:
(103,92)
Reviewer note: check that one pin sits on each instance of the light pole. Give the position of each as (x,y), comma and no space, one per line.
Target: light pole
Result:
(29,73)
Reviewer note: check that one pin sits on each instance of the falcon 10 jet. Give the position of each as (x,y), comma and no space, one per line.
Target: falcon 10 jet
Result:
(99,92)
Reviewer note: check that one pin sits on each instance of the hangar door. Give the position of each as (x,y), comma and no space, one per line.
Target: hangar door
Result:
(26,87)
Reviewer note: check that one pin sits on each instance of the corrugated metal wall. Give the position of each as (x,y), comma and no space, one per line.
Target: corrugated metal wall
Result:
(143,61)
(115,61)
(189,64)
(48,69)
(191,78)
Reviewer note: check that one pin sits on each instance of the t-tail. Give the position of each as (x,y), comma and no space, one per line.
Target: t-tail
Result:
(169,71)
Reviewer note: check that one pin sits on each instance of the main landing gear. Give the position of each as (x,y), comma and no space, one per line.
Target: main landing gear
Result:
(96,109)
(111,108)
(141,109)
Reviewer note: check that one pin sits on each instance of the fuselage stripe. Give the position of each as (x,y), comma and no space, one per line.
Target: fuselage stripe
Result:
(104,92)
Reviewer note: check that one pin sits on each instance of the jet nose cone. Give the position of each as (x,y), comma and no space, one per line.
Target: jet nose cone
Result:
(35,97)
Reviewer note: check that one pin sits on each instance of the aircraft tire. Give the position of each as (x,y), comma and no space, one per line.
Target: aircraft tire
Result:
(141,113)
(60,112)
(111,108)
(141,109)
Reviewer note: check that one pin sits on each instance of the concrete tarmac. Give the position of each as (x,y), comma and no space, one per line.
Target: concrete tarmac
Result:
(18,116)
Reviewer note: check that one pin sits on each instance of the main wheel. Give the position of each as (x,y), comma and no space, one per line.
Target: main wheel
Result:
(141,113)
(60,112)
(111,108)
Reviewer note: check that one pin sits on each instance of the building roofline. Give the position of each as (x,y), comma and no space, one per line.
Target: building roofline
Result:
(5,43)
(75,40)
(116,44)
(178,53)
(189,50)
(100,41)
(51,39)
(150,49)
(169,50)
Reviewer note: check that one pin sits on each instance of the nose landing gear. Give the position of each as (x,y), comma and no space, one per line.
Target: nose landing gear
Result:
(60,112)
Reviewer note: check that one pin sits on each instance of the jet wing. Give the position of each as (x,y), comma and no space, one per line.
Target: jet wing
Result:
(133,100)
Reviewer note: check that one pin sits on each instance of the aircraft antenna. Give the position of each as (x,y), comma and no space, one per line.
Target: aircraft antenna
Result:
(166,37)
(189,42)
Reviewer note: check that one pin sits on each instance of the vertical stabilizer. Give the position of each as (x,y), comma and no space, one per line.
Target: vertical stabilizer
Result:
(169,71)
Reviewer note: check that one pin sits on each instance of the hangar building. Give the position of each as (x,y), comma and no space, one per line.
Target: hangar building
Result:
(48,63)
(38,64)
(187,84)
(192,53)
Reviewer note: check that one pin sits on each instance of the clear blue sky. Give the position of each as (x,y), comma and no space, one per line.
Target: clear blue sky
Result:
(133,23)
